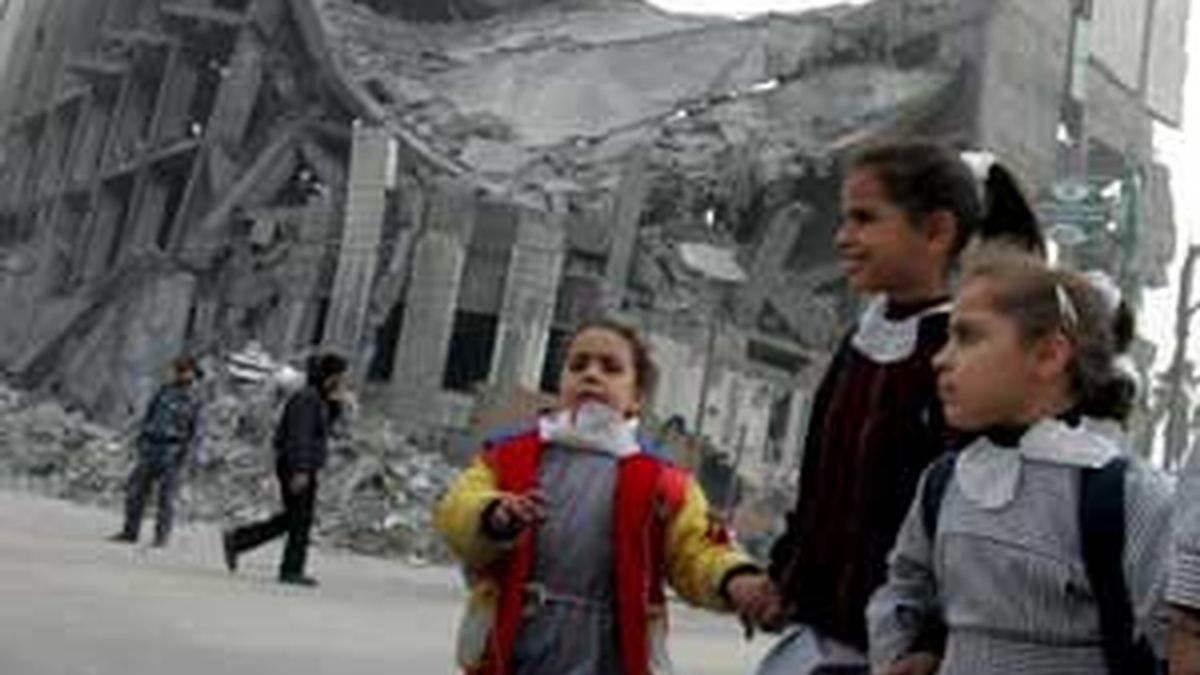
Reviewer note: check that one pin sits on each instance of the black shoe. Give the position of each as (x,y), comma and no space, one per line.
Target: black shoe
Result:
(300,580)
(231,553)
(122,538)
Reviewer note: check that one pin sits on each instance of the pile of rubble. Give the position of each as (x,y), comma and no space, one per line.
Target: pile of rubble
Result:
(376,495)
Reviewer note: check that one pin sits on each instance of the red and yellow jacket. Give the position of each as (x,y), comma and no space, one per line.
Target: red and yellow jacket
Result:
(662,530)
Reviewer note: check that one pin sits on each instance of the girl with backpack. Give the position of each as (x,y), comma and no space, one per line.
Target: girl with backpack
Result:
(1040,547)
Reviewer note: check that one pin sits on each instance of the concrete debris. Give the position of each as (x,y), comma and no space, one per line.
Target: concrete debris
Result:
(377,491)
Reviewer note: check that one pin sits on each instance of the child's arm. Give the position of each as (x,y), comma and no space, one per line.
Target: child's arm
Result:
(459,516)
(701,560)
(903,615)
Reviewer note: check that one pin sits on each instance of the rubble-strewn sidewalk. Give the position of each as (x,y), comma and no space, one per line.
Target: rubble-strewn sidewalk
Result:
(376,494)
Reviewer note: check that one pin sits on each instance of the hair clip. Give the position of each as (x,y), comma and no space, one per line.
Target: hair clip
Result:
(980,163)
(1109,292)
(1066,308)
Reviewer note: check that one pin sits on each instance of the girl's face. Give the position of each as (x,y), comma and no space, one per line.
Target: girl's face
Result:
(600,367)
(987,374)
(882,250)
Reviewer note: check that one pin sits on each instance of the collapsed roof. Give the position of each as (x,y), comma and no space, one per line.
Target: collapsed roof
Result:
(548,97)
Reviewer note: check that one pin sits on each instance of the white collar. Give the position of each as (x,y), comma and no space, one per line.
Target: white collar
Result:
(989,474)
(593,426)
(885,340)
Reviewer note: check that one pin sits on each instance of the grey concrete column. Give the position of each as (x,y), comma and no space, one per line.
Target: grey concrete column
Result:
(432,299)
(625,217)
(371,165)
(534,275)
(768,269)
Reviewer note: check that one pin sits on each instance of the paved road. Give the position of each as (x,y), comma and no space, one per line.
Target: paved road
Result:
(73,604)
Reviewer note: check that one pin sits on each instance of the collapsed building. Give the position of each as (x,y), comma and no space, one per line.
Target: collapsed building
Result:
(444,188)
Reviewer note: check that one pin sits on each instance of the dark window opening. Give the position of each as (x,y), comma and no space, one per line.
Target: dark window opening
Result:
(90,158)
(176,182)
(149,84)
(70,124)
(301,187)
(122,194)
(387,339)
(124,12)
(776,357)
(585,263)
(777,428)
(918,52)
(471,345)
(232,5)
(189,331)
(268,109)
(556,356)
(822,216)
(318,333)
(380,92)
(208,82)
(10,230)
(33,159)
(67,248)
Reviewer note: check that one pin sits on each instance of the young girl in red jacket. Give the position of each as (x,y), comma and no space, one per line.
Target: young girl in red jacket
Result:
(569,529)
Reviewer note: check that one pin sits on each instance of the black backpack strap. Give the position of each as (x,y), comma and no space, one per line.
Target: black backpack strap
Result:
(1102,537)
(937,479)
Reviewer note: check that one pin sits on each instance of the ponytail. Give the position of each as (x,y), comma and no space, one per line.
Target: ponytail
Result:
(1007,216)
(1113,399)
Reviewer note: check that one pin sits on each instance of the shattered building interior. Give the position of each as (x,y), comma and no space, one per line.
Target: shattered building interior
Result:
(443,188)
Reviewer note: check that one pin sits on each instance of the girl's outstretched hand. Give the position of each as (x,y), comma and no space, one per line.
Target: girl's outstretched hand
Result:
(513,513)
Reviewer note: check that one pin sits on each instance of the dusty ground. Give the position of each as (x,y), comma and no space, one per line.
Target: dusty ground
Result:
(74,604)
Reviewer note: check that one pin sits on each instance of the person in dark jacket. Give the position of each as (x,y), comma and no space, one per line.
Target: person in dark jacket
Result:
(168,432)
(301,446)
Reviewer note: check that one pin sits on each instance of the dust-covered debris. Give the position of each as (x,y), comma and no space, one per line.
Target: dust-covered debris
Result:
(376,495)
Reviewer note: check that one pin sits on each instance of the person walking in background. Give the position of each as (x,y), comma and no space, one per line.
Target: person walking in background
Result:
(908,210)
(167,436)
(301,448)
(1041,548)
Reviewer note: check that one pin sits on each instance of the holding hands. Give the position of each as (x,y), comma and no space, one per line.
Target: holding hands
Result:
(759,603)
(918,663)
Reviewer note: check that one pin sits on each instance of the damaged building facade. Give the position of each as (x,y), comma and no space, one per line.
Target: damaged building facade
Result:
(445,189)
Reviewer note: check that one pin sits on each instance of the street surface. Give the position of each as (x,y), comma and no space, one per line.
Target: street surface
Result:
(74,604)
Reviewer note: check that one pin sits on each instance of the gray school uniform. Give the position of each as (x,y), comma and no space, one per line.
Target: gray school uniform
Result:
(569,626)
(1005,573)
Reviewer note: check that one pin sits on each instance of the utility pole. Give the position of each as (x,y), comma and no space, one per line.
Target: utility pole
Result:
(1075,108)
(1178,405)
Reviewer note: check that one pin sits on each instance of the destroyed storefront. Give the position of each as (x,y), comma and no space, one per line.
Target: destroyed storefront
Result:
(444,197)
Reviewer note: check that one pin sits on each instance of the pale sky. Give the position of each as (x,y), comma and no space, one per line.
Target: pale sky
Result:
(1180,150)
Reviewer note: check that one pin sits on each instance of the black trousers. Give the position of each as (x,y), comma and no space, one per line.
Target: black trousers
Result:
(295,521)
(157,466)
